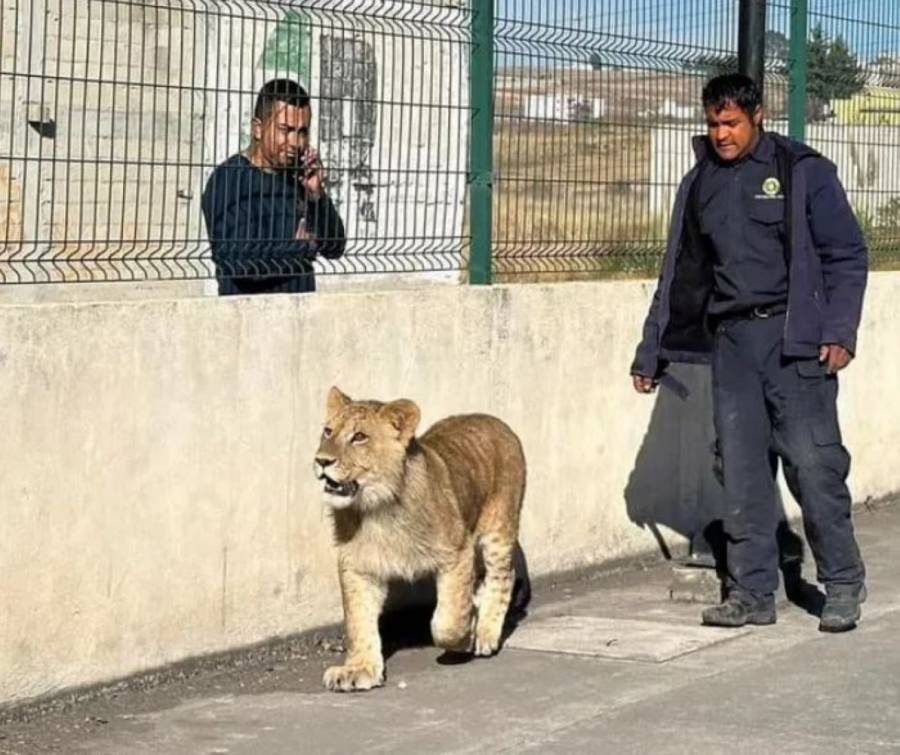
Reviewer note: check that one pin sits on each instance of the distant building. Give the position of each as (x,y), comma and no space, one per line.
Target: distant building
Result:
(547,107)
(671,109)
(874,106)
(599,108)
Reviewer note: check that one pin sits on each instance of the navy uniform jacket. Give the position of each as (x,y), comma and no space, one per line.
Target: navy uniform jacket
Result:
(252,218)
(826,258)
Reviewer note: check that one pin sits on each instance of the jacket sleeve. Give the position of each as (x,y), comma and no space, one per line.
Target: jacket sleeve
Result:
(327,227)
(841,248)
(646,359)
(236,226)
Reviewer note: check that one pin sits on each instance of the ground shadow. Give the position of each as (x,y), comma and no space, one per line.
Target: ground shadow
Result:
(406,620)
(798,591)
(673,482)
(676,483)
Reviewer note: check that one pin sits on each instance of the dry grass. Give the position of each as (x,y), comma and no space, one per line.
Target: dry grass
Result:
(572,202)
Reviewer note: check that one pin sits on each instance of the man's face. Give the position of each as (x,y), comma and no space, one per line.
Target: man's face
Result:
(284,136)
(731,131)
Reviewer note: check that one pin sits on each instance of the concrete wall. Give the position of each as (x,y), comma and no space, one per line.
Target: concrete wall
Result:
(157,498)
(120,171)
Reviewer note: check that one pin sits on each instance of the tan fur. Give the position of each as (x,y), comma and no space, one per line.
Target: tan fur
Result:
(408,507)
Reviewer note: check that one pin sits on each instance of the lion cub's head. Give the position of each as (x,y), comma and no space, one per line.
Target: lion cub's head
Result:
(362,453)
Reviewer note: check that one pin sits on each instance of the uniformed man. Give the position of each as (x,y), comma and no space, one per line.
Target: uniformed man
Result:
(764,273)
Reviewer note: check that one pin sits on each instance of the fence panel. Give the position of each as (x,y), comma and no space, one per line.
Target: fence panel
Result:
(592,98)
(113,113)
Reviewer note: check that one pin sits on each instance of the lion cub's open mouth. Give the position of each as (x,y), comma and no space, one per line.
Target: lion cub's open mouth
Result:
(346,489)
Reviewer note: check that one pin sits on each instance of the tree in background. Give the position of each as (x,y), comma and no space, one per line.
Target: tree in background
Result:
(833,72)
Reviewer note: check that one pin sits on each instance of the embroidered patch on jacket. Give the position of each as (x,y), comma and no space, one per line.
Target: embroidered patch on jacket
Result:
(771,189)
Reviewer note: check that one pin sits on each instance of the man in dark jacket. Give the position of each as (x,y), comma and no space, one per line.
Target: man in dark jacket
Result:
(764,275)
(267,214)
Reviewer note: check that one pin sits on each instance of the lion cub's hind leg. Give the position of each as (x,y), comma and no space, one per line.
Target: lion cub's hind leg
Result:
(451,624)
(495,592)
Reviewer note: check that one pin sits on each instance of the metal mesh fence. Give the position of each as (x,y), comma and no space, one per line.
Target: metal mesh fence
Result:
(596,104)
(853,110)
(115,113)
(592,100)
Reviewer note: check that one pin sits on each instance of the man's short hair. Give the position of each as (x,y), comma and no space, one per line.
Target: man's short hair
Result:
(732,89)
(279,90)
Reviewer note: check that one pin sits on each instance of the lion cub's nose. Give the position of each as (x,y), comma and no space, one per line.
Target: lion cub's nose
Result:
(324,461)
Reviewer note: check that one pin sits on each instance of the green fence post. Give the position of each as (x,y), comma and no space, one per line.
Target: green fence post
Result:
(797,70)
(481,141)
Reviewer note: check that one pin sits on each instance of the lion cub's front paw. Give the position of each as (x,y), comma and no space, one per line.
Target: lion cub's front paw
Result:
(487,641)
(353,677)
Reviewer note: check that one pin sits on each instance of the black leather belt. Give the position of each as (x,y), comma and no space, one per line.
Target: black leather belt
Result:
(763,312)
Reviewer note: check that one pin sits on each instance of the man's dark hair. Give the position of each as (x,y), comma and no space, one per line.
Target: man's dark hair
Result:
(732,89)
(279,90)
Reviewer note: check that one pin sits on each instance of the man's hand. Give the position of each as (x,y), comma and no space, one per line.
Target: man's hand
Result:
(835,356)
(312,174)
(643,384)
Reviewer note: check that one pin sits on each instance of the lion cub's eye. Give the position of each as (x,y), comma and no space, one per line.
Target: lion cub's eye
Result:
(359,438)
(326,433)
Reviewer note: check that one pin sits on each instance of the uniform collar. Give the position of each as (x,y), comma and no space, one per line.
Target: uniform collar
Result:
(764,150)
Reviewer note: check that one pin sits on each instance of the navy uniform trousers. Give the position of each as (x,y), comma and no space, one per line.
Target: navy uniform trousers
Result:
(766,403)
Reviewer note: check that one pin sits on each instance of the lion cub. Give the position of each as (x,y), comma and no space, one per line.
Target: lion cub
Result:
(404,507)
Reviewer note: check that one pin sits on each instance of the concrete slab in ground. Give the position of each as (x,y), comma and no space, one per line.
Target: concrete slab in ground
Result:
(621,639)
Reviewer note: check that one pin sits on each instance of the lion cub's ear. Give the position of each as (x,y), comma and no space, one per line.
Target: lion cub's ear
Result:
(336,401)
(404,415)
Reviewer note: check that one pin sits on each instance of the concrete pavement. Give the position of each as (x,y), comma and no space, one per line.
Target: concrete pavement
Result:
(609,665)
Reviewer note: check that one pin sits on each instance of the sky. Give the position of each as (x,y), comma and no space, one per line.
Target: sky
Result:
(662,29)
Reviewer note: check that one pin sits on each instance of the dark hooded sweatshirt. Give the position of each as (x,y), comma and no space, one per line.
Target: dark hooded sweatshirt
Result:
(252,218)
